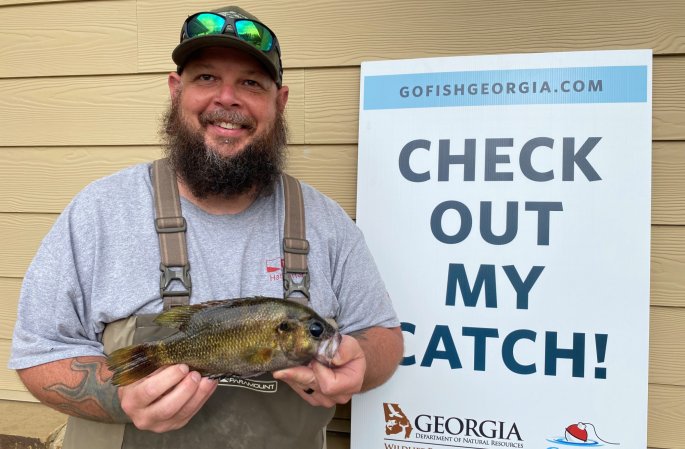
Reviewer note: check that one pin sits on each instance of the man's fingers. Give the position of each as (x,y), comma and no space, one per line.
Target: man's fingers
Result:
(170,405)
(302,375)
(204,391)
(348,350)
(150,389)
(175,408)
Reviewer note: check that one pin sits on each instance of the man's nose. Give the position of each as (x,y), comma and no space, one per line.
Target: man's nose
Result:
(228,96)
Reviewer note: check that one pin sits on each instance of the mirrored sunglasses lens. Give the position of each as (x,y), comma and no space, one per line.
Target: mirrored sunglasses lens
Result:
(254,33)
(203,24)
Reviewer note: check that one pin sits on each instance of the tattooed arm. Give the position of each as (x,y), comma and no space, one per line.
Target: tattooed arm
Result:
(163,401)
(79,386)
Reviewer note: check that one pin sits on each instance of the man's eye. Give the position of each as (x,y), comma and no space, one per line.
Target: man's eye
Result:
(206,77)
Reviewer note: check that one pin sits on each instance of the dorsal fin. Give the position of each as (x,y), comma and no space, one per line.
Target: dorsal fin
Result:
(180,316)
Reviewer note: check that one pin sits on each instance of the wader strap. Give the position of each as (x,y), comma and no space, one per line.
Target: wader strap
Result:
(171,230)
(295,244)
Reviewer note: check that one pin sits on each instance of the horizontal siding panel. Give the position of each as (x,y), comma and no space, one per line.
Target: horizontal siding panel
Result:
(668,266)
(666,417)
(44,180)
(332,169)
(103,110)
(13,395)
(668,183)
(332,108)
(667,346)
(329,33)
(9,380)
(294,111)
(10,288)
(73,38)
(25,2)
(107,110)
(668,100)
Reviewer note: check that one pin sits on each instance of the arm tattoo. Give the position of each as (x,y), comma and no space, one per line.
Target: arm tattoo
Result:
(93,389)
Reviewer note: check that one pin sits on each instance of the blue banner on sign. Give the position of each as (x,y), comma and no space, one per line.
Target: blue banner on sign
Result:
(619,84)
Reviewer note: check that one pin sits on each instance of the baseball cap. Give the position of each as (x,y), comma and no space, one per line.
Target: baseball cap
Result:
(230,27)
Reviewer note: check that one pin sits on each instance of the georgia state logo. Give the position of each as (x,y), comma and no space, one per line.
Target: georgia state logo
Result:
(396,421)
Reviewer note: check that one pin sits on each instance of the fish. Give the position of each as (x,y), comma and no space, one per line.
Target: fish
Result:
(242,337)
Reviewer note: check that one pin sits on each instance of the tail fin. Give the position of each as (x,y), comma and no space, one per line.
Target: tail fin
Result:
(132,363)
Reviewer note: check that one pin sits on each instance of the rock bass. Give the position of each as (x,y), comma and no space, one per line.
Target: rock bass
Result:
(241,337)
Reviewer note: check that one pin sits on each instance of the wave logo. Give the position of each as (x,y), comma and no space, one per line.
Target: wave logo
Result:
(579,435)
(396,421)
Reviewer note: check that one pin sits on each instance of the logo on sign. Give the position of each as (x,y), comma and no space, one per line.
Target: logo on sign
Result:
(579,435)
(448,431)
(396,421)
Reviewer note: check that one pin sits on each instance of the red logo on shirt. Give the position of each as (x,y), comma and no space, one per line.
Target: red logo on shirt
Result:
(274,265)
(274,268)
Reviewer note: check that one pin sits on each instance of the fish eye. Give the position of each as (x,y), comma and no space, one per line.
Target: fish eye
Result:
(316,329)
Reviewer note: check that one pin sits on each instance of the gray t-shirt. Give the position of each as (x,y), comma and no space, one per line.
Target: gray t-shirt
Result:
(100,263)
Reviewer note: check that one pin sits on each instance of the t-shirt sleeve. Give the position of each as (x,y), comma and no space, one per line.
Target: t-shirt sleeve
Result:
(363,298)
(52,314)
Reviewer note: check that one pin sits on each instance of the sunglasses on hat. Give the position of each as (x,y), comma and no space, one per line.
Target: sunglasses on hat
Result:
(208,23)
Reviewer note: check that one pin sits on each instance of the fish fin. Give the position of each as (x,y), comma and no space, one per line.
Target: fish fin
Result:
(132,363)
(178,317)
(259,356)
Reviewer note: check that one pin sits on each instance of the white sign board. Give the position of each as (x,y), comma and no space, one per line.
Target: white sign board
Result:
(506,200)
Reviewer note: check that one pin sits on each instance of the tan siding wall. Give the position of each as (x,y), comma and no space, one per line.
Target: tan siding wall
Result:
(82,85)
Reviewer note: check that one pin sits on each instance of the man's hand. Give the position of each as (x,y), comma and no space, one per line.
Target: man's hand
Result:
(365,360)
(166,399)
(330,386)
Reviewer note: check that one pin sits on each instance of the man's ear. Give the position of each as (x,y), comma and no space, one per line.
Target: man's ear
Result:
(282,98)
(174,82)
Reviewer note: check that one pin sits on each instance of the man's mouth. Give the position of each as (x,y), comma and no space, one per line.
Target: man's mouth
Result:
(227,120)
(227,125)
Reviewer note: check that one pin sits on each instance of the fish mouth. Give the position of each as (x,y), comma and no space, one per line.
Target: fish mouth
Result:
(327,349)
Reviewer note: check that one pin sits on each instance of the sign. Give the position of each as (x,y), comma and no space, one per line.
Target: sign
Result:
(506,200)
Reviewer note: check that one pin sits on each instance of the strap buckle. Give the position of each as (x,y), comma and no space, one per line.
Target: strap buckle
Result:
(169,274)
(167,225)
(296,281)
(295,245)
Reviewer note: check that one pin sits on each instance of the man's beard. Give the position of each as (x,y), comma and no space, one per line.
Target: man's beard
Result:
(206,173)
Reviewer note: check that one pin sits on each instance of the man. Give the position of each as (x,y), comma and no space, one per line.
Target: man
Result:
(98,267)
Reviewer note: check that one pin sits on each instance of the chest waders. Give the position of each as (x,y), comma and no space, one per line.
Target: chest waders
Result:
(268,415)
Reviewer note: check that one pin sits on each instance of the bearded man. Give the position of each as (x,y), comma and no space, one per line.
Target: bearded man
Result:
(95,281)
